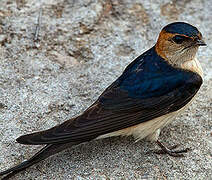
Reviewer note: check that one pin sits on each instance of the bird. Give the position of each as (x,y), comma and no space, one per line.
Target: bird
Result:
(150,93)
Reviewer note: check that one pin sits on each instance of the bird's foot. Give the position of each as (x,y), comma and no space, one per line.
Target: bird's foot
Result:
(171,151)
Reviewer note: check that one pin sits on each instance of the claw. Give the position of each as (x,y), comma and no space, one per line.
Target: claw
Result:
(170,151)
(174,146)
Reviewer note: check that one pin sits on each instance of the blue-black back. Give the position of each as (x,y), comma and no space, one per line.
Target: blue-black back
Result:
(150,75)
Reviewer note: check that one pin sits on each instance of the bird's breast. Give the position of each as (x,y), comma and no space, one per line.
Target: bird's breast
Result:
(194,66)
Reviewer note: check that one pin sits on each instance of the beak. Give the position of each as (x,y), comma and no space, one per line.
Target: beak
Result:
(200,42)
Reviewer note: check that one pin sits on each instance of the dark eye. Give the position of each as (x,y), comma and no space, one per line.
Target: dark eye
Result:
(178,39)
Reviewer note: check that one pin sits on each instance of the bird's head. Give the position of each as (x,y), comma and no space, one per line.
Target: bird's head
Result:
(178,42)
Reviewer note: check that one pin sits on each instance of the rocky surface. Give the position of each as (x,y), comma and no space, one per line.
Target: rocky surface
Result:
(82,46)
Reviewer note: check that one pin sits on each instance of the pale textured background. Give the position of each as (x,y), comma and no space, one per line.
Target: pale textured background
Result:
(85,45)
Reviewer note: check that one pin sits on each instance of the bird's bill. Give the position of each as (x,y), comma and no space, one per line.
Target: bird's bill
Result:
(200,42)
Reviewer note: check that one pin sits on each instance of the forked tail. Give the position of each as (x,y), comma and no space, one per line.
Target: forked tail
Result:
(44,153)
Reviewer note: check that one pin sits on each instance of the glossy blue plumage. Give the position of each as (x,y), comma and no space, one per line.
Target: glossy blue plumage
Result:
(146,81)
(182,28)
(150,76)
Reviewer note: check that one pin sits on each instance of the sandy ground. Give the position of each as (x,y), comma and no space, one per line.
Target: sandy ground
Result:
(83,46)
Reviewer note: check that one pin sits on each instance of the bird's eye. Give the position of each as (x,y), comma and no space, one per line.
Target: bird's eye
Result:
(178,39)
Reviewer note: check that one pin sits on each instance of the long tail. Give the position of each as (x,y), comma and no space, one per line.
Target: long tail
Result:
(44,153)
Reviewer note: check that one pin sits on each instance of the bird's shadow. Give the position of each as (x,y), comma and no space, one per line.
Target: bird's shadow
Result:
(105,154)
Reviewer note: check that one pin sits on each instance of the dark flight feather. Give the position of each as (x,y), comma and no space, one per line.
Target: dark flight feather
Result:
(148,88)
(44,153)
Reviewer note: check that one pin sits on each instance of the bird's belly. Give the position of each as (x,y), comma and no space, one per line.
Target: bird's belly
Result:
(150,129)
(144,129)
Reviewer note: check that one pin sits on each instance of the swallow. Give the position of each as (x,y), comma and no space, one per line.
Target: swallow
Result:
(153,89)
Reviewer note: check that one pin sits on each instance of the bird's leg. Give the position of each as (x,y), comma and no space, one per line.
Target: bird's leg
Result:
(170,151)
